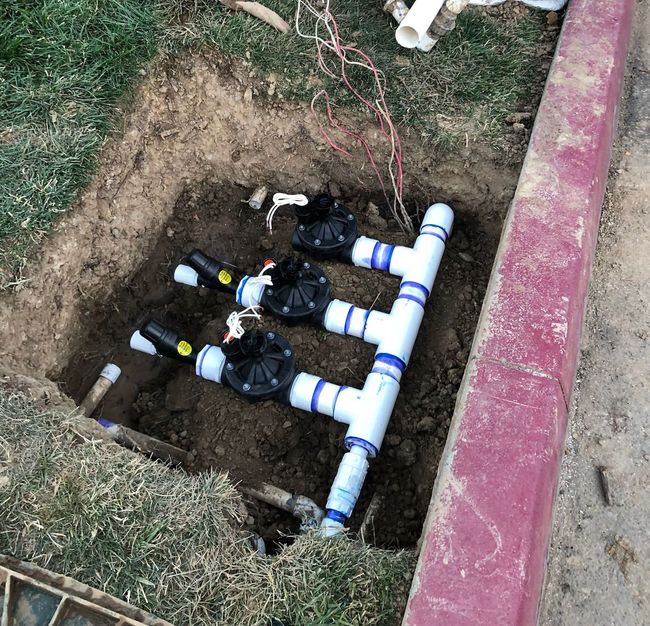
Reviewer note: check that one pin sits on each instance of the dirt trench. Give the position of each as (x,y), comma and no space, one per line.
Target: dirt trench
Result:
(199,137)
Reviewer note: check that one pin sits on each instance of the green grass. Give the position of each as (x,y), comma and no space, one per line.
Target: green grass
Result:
(65,64)
(169,542)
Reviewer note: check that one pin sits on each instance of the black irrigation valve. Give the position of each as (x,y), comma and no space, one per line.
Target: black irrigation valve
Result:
(260,365)
(300,292)
(168,342)
(212,273)
(326,229)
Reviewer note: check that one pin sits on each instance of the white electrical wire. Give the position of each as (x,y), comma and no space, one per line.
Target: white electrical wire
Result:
(263,278)
(235,328)
(280,200)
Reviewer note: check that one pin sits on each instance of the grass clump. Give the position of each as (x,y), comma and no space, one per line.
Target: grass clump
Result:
(65,64)
(167,541)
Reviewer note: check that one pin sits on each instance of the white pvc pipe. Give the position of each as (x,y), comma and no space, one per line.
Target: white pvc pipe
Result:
(138,342)
(417,22)
(250,292)
(186,275)
(210,362)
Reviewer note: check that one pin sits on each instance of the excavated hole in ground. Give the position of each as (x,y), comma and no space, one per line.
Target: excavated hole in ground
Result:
(192,148)
(271,442)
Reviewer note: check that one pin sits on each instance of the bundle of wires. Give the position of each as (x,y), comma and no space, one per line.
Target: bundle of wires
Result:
(335,59)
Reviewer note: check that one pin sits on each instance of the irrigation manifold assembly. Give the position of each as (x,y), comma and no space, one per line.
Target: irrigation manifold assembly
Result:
(259,365)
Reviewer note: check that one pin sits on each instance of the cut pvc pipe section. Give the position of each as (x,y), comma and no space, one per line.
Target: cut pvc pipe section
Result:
(417,22)
(186,275)
(107,378)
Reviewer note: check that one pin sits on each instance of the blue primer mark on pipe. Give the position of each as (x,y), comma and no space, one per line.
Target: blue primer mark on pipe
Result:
(373,260)
(436,235)
(362,443)
(434,226)
(105,423)
(240,289)
(336,516)
(348,319)
(406,296)
(365,324)
(378,369)
(389,259)
(336,397)
(317,391)
(420,286)
(391,359)
(199,365)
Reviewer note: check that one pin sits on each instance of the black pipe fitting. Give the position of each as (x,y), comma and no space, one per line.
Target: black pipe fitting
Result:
(259,366)
(326,229)
(212,273)
(300,292)
(168,343)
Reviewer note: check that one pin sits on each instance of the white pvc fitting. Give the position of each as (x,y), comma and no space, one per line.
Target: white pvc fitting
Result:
(186,275)
(371,409)
(349,479)
(249,292)
(314,395)
(111,372)
(210,362)
(138,342)
(344,318)
(406,315)
(417,21)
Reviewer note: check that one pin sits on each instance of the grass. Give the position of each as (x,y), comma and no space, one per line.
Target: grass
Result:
(65,65)
(168,542)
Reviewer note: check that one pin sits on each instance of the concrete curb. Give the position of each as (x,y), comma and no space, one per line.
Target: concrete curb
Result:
(486,536)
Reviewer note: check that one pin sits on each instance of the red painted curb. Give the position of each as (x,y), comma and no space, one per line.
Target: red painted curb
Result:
(490,518)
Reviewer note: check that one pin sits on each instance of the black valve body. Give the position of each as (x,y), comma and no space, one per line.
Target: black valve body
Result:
(300,292)
(260,365)
(168,342)
(325,229)
(212,273)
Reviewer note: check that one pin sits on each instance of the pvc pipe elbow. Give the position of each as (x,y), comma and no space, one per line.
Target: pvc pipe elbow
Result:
(438,216)
(186,275)
(417,21)
(138,342)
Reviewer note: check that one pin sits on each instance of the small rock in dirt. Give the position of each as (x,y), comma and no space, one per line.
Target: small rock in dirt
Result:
(170,233)
(219,451)
(173,438)
(393,440)
(519,127)
(552,18)
(248,94)
(466,257)
(334,189)
(250,520)
(426,425)
(323,457)
(286,424)
(182,434)
(266,244)
(407,453)
(374,219)
(410,514)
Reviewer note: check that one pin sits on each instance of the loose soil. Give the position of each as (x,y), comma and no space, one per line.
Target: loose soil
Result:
(200,138)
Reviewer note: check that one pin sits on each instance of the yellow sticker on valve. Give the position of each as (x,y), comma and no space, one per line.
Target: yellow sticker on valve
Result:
(224,277)
(184,348)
